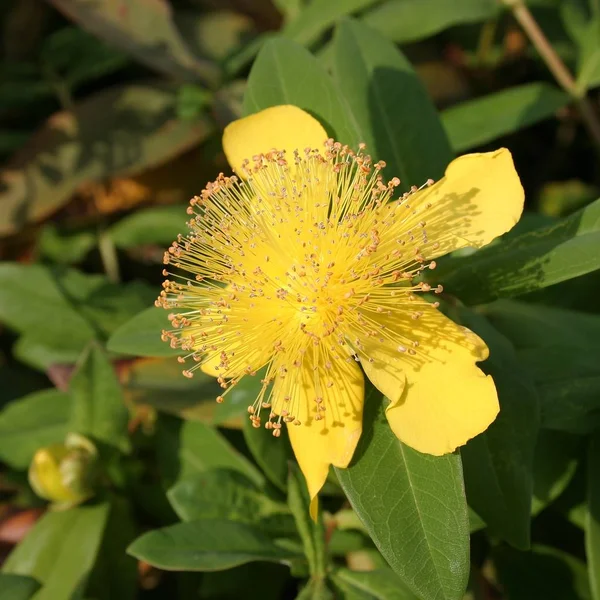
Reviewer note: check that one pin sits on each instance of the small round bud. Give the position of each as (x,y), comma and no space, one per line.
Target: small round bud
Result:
(65,473)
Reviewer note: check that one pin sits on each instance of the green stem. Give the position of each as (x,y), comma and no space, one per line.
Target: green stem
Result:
(108,255)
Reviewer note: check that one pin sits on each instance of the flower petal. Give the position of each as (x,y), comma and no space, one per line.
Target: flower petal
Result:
(381,365)
(479,198)
(332,440)
(283,127)
(447,400)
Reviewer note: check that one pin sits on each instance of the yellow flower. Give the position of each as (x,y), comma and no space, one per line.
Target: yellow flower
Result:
(306,265)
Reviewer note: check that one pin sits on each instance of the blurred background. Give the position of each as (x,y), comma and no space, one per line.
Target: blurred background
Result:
(111,116)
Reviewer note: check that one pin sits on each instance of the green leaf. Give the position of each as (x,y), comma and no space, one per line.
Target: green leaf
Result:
(140,336)
(476,122)
(17,587)
(157,225)
(530,325)
(229,495)
(207,545)
(311,533)
(498,463)
(98,408)
(527,262)
(389,106)
(186,448)
(410,20)
(45,303)
(161,384)
(286,73)
(31,422)
(60,550)
(272,454)
(146,30)
(33,300)
(318,16)
(413,506)
(560,350)
(381,584)
(64,247)
(79,57)
(592,522)
(115,132)
(568,382)
(115,574)
(43,356)
(543,572)
(557,454)
(588,75)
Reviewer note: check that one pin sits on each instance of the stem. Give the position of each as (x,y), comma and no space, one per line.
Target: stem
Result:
(108,255)
(556,65)
(486,41)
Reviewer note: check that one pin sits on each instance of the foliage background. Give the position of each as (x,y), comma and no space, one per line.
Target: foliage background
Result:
(111,114)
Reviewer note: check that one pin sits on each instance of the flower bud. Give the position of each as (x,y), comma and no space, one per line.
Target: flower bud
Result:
(65,473)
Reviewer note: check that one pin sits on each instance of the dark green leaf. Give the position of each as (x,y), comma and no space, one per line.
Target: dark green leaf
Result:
(592,522)
(80,57)
(98,406)
(413,506)
(207,545)
(527,262)
(311,533)
(17,587)
(556,458)
(226,494)
(389,106)
(286,73)
(476,122)
(158,225)
(115,575)
(60,550)
(530,325)
(568,382)
(186,448)
(272,454)
(140,336)
(146,30)
(498,463)
(410,20)
(381,584)
(543,572)
(241,582)
(32,422)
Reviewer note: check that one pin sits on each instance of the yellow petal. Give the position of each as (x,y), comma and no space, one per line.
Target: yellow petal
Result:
(381,364)
(332,440)
(479,198)
(447,399)
(284,127)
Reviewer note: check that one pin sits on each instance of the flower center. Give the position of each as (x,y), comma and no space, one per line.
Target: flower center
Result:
(291,264)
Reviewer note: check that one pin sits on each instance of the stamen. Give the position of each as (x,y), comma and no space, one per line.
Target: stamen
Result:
(307,256)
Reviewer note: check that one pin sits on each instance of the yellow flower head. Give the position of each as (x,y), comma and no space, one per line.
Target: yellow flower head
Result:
(304,263)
